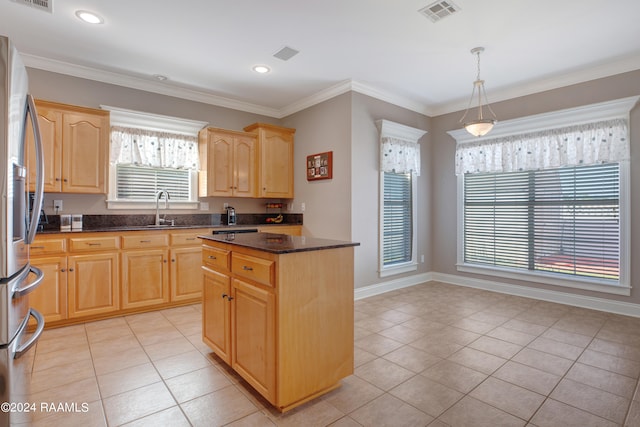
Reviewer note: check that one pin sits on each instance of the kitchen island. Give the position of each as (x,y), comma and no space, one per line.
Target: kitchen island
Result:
(278,309)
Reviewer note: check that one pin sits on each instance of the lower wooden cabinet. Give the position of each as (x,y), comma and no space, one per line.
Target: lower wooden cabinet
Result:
(96,275)
(253,315)
(92,283)
(216,313)
(50,298)
(283,322)
(186,278)
(145,278)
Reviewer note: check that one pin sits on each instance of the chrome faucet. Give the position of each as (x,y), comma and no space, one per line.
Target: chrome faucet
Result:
(162,221)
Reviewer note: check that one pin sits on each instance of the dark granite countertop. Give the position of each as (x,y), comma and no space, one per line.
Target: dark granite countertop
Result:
(278,243)
(116,223)
(119,228)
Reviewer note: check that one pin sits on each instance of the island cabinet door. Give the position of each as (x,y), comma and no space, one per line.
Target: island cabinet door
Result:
(253,337)
(216,313)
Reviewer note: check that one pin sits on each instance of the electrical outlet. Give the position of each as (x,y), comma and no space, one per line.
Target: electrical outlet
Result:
(302,206)
(204,206)
(57,205)
(225,205)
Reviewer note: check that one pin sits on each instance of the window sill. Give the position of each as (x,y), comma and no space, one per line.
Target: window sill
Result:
(549,279)
(146,204)
(398,269)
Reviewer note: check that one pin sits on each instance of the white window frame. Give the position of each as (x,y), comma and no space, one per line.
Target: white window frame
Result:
(412,265)
(155,122)
(590,113)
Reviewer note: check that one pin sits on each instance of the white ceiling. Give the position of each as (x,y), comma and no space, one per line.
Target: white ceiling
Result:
(383,48)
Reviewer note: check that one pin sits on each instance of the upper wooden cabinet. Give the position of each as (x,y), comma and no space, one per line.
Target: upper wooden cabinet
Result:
(275,147)
(76,146)
(228,164)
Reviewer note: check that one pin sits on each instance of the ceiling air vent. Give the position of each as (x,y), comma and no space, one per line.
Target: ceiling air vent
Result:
(439,10)
(46,5)
(286,53)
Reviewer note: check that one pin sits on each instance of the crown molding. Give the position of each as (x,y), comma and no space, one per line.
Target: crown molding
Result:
(389,97)
(118,79)
(608,69)
(318,97)
(553,82)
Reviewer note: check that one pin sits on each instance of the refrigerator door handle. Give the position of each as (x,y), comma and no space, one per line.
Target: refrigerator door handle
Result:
(20,292)
(37,203)
(20,351)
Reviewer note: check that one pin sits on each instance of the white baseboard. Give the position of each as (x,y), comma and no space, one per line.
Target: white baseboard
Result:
(391,285)
(601,304)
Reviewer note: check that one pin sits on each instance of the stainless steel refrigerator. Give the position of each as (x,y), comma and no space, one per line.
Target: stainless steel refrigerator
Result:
(17,229)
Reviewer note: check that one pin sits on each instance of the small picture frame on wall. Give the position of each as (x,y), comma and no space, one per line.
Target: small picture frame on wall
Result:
(320,166)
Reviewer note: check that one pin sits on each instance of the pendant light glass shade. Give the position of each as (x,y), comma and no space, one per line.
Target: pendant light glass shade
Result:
(481,125)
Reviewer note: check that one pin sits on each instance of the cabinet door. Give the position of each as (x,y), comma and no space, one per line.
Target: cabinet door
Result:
(253,336)
(220,165)
(50,298)
(84,153)
(145,278)
(50,122)
(186,277)
(216,314)
(276,164)
(92,282)
(244,163)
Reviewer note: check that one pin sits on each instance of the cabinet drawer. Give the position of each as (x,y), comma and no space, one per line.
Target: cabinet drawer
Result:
(139,241)
(187,239)
(258,269)
(93,244)
(215,258)
(48,246)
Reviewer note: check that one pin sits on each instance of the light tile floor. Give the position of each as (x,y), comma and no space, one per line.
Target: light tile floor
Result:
(433,354)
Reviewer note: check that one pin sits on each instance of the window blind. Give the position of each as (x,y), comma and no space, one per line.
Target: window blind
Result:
(142,183)
(397,218)
(564,221)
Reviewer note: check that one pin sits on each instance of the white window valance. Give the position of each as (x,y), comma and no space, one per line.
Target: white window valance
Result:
(585,144)
(142,147)
(399,147)
(399,156)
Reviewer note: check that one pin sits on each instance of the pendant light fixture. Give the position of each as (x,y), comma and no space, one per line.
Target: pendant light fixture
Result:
(481,125)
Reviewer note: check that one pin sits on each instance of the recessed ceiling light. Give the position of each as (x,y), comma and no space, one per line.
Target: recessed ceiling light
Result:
(262,69)
(160,77)
(89,17)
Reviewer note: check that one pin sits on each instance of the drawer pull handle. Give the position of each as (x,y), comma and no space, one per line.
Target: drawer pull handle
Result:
(190,238)
(94,244)
(228,297)
(145,241)
(247,268)
(37,247)
(212,257)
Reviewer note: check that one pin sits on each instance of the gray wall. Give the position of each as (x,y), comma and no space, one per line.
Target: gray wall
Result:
(324,127)
(443,203)
(365,173)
